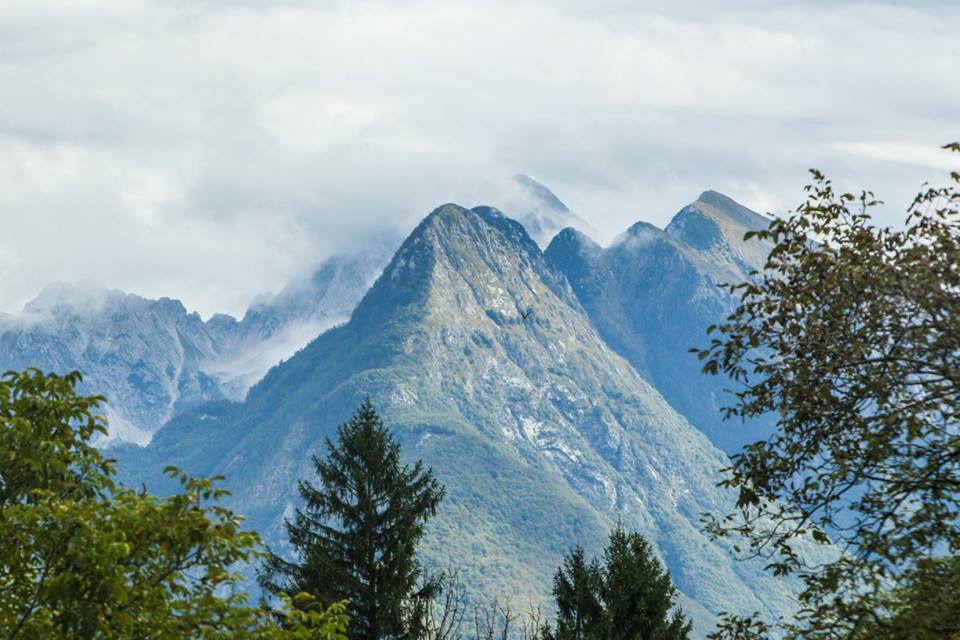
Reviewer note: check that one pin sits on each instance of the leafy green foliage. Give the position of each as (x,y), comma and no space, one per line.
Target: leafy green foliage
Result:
(302,618)
(927,607)
(627,596)
(357,535)
(851,335)
(84,557)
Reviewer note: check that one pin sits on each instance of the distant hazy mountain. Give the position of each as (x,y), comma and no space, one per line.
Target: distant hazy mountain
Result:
(540,212)
(146,356)
(151,358)
(487,367)
(653,292)
(276,327)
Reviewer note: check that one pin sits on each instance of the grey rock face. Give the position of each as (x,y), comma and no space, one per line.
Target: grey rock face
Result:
(145,355)
(153,359)
(488,368)
(653,293)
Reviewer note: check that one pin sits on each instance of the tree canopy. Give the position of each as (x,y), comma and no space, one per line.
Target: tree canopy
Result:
(851,336)
(84,557)
(926,606)
(627,595)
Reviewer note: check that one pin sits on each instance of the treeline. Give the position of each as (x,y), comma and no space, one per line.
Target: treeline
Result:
(85,557)
(356,540)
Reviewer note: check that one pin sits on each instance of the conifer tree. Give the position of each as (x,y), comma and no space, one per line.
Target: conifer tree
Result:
(627,596)
(357,534)
(637,592)
(576,591)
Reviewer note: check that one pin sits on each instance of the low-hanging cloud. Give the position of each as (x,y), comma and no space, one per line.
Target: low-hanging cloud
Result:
(211,151)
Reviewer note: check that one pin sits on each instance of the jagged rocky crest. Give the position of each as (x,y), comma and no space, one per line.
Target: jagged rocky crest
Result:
(487,367)
(153,359)
(653,292)
(145,355)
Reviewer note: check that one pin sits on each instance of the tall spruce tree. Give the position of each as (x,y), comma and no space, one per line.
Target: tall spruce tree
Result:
(576,591)
(627,596)
(637,592)
(357,535)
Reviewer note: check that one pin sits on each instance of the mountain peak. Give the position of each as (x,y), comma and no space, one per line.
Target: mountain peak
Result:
(715,219)
(445,212)
(571,239)
(448,219)
(83,297)
(453,224)
(717,199)
(643,229)
(541,192)
(723,208)
(539,210)
(453,244)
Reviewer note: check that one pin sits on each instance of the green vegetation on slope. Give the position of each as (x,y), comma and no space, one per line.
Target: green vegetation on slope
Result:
(542,436)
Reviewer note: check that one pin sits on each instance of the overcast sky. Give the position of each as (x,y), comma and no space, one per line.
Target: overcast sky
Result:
(211,150)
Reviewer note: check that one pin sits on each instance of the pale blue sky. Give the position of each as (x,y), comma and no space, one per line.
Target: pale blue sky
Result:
(211,150)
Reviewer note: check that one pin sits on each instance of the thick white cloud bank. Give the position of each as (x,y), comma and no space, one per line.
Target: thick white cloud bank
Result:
(211,150)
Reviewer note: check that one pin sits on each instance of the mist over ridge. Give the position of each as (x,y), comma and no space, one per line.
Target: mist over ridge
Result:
(487,367)
(156,359)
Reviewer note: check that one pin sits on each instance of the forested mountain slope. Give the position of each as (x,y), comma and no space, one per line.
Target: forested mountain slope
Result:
(487,367)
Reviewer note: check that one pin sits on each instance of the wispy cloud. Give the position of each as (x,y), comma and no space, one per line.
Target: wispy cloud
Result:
(210,150)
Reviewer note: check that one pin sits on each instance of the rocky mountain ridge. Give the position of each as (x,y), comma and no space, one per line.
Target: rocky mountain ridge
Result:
(165,359)
(153,359)
(652,293)
(144,355)
(486,366)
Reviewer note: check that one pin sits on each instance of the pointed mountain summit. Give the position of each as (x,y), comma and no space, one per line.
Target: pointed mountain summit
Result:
(716,222)
(540,211)
(723,208)
(486,366)
(653,292)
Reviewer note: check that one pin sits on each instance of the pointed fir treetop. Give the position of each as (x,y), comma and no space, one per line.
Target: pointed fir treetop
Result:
(627,595)
(357,534)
